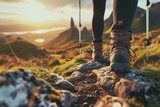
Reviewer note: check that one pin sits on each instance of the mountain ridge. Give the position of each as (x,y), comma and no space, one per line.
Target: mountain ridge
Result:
(139,22)
(138,26)
(71,34)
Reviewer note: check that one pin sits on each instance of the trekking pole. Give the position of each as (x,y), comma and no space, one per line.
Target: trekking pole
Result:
(147,29)
(80,35)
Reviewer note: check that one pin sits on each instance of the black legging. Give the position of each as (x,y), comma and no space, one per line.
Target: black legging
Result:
(123,10)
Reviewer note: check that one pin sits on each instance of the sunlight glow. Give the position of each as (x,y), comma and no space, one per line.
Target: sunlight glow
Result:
(35,31)
(35,12)
(39,40)
(48,30)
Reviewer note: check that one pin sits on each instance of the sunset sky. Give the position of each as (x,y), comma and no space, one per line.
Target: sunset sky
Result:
(49,11)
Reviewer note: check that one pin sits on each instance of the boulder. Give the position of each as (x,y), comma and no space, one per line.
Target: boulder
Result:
(129,85)
(61,83)
(21,88)
(89,66)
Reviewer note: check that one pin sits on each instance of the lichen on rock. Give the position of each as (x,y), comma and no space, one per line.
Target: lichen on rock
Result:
(23,88)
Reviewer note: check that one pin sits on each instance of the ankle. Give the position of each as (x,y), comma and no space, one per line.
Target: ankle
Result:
(120,26)
(97,41)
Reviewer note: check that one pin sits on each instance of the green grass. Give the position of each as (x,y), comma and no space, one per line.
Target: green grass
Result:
(64,63)
(39,71)
(141,62)
(67,67)
(2,69)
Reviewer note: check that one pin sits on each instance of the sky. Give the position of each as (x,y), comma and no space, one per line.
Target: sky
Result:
(57,12)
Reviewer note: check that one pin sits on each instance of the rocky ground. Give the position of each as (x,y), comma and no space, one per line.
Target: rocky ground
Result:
(100,87)
(90,85)
(87,90)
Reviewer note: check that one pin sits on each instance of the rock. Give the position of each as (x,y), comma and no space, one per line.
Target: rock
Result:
(133,73)
(135,85)
(116,104)
(22,88)
(55,78)
(124,87)
(67,98)
(66,85)
(132,84)
(85,104)
(89,66)
(75,75)
(106,79)
(61,83)
(88,50)
(110,101)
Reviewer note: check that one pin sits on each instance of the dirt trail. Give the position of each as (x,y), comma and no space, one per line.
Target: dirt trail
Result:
(87,90)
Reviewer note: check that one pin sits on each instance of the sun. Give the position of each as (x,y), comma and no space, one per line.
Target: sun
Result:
(35,12)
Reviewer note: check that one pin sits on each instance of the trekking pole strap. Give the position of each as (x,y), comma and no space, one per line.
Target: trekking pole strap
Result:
(148,42)
(147,2)
(80,45)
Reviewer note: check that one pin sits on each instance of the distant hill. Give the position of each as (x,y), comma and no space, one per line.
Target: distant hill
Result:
(8,38)
(22,48)
(31,37)
(70,34)
(139,21)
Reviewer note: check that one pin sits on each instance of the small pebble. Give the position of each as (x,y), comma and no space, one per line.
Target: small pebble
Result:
(85,104)
(116,104)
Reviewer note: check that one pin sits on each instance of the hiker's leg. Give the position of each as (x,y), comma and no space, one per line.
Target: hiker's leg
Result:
(97,26)
(124,10)
(98,19)
(123,14)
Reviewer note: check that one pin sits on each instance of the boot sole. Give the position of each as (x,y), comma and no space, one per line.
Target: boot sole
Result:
(120,67)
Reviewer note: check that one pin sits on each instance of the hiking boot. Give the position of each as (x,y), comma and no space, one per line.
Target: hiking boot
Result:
(97,53)
(120,49)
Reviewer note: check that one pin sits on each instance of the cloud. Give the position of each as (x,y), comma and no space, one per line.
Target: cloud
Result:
(8,13)
(5,21)
(12,1)
(58,3)
(87,4)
